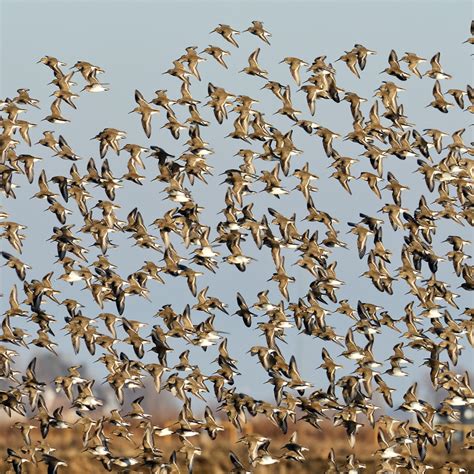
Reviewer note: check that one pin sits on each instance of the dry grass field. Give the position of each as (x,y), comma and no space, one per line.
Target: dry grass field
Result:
(215,454)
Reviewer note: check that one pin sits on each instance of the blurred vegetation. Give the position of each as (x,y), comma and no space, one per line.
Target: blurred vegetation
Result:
(215,457)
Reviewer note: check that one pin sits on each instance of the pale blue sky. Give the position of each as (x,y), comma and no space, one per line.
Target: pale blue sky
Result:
(135,42)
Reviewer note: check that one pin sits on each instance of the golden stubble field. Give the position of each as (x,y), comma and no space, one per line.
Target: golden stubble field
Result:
(215,460)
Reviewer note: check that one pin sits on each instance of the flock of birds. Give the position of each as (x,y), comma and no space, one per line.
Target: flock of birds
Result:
(432,322)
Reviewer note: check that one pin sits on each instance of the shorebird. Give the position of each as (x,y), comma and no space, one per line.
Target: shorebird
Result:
(295,65)
(458,95)
(24,97)
(412,59)
(56,116)
(394,68)
(109,137)
(48,140)
(218,54)
(439,102)
(53,63)
(351,58)
(470,40)
(192,59)
(362,54)
(258,30)
(436,71)
(227,32)
(16,264)
(253,69)
(146,111)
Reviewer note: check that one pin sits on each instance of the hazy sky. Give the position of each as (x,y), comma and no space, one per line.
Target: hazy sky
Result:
(135,42)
